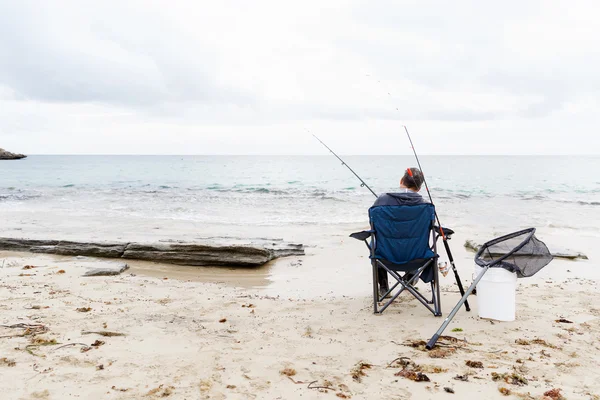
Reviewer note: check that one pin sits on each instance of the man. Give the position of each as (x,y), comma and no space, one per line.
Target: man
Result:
(410,184)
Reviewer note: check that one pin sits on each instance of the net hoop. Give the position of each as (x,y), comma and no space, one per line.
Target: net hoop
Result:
(529,231)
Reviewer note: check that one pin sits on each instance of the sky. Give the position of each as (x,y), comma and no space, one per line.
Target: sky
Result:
(260,77)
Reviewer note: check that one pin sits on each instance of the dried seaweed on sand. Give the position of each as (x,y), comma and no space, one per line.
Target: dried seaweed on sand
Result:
(358,371)
(288,372)
(554,394)
(474,364)
(103,333)
(512,378)
(29,329)
(413,375)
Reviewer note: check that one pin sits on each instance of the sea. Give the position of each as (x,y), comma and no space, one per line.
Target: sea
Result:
(495,193)
(313,200)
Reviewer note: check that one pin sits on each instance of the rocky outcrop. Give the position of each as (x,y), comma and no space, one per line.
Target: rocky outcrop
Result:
(64,248)
(208,253)
(566,254)
(195,254)
(6,155)
(108,270)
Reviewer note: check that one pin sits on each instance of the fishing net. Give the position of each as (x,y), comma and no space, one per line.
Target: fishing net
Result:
(520,252)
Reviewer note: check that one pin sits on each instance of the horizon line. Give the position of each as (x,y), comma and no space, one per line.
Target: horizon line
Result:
(314,155)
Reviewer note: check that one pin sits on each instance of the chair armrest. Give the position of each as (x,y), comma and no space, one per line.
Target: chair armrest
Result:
(363,235)
(447,231)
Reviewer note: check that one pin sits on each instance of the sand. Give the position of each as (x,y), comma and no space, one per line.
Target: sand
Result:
(284,331)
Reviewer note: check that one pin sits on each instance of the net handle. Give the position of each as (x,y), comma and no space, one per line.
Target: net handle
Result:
(500,239)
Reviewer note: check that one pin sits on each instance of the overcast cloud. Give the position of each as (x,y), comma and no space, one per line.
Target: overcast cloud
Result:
(239,77)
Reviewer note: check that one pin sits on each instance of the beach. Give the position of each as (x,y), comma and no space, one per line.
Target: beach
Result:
(231,336)
(182,186)
(297,327)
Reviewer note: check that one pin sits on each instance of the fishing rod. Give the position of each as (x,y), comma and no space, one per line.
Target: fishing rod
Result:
(362,183)
(444,237)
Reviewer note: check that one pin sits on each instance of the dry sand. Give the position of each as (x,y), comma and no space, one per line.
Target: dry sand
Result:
(248,336)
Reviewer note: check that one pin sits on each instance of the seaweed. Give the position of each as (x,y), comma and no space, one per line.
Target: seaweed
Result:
(161,391)
(413,375)
(103,333)
(7,362)
(442,353)
(512,378)
(358,371)
(288,372)
(525,342)
(554,394)
(38,342)
(474,364)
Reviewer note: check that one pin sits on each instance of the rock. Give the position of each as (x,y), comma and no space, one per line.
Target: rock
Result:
(472,246)
(114,269)
(6,155)
(195,254)
(563,253)
(209,253)
(64,248)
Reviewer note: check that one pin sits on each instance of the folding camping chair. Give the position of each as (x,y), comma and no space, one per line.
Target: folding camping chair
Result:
(400,245)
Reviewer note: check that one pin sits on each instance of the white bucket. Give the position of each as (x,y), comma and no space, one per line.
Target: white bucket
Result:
(496,294)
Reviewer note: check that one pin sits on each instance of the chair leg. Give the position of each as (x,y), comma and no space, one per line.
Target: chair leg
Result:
(375,289)
(435,289)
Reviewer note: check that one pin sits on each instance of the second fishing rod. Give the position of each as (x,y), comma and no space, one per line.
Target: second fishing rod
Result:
(444,237)
(441,229)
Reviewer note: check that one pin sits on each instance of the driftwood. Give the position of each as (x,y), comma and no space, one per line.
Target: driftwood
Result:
(207,253)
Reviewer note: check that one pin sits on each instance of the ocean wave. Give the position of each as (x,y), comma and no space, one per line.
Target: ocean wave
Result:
(534,197)
(18,197)
(561,226)
(588,203)
(326,196)
(580,202)
(340,195)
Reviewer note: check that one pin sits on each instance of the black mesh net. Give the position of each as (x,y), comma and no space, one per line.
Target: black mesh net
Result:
(519,252)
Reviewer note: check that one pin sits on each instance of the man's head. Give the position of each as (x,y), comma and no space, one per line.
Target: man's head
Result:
(412,179)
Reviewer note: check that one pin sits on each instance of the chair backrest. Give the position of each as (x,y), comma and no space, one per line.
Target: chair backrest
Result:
(402,232)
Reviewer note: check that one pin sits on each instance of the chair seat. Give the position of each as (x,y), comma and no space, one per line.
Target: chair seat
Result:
(426,276)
